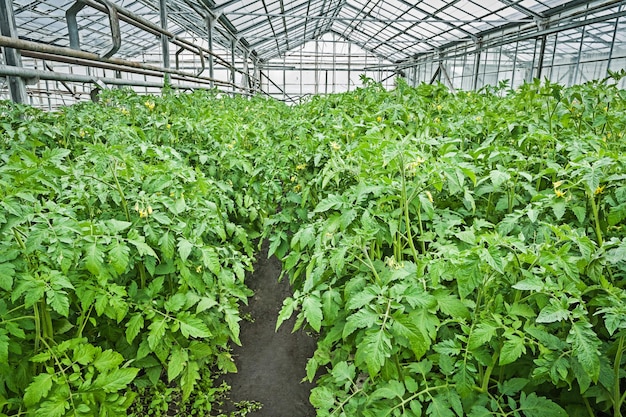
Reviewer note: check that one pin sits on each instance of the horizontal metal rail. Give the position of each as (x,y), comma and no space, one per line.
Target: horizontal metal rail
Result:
(148,26)
(88,57)
(114,67)
(10,71)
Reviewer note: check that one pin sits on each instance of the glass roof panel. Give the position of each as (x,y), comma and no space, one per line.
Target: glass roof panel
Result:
(396,29)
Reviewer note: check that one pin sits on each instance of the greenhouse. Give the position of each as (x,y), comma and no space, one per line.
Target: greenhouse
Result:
(298,208)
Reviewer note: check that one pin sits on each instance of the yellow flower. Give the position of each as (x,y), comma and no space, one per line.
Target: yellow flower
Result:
(439,107)
(430,196)
(168,126)
(300,167)
(437,120)
(556,186)
(82,133)
(199,268)
(335,146)
(149,210)
(379,119)
(137,206)
(293,178)
(150,105)
(599,189)
(142,213)
(297,188)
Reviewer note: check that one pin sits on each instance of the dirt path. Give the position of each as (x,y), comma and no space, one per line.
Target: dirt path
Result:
(271,364)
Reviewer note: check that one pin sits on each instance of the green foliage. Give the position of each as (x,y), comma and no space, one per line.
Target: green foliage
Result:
(457,253)
(460,254)
(123,227)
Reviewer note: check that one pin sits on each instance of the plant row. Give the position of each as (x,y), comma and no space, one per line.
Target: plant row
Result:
(458,253)
(462,254)
(126,232)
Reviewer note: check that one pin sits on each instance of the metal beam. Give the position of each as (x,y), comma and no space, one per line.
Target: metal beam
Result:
(282,9)
(210,27)
(514,5)
(224,5)
(336,12)
(13,58)
(165,45)
(68,52)
(529,34)
(256,25)
(365,19)
(271,25)
(359,44)
(10,71)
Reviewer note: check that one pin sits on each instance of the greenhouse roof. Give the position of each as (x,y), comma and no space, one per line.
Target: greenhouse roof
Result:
(395,30)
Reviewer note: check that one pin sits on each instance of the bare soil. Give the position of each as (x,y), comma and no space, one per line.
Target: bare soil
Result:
(271,364)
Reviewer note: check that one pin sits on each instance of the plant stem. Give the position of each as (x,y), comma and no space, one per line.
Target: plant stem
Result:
(83,321)
(119,190)
(417,394)
(588,407)
(407,219)
(594,208)
(485,385)
(370,264)
(617,401)
(340,407)
(37,329)
(46,320)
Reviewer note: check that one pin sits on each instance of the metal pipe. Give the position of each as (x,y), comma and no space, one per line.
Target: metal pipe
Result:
(165,45)
(542,52)
(114,23)
(12,56)
(210,28)
(9,71)
(67,52)
(114,67)
(6,70)
(608,64)
(150,27)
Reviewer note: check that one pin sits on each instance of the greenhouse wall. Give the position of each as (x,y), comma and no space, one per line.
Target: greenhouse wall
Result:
(327,65)
(570,56)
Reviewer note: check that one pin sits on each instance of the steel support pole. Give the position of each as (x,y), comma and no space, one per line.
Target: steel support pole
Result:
(12,57)
(246,79)
(349,63)
(476,68)
(210,28)
(233,46)
(165,43)
(573,80)
(608,64)
(542,52)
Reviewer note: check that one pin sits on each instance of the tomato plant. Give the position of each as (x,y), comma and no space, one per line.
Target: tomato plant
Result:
(456,253)
(462,254)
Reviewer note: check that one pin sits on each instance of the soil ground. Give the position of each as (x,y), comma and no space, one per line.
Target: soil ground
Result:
(271,364)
